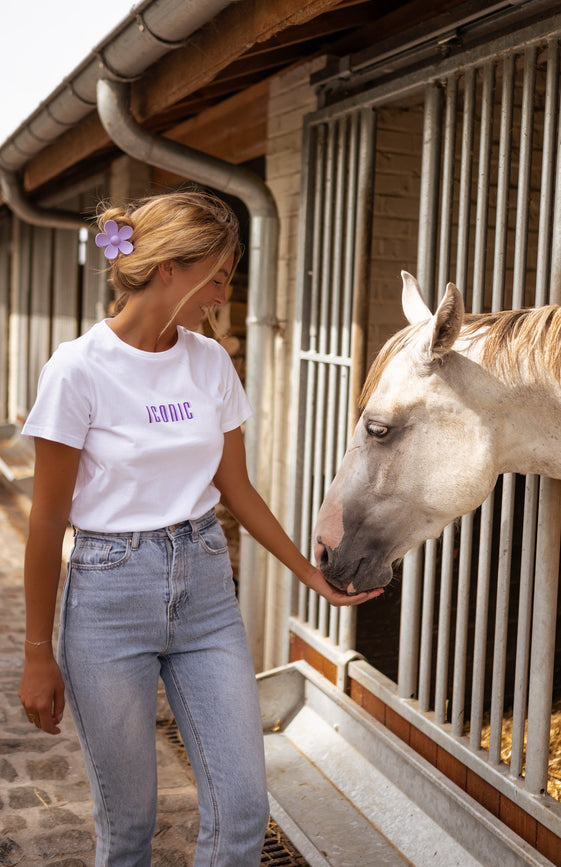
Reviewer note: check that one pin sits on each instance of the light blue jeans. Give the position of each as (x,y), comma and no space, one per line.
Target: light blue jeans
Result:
(138,606)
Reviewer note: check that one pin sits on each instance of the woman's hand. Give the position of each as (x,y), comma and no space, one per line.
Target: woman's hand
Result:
(41,689)
(313,579)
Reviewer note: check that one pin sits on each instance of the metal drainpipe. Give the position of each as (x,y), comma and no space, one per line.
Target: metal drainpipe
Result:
(113,106)
(16,199)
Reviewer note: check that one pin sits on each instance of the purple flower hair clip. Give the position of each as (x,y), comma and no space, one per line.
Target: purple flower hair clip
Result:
(114,240)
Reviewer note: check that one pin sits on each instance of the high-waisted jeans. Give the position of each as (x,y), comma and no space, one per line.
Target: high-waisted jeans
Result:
(138,606)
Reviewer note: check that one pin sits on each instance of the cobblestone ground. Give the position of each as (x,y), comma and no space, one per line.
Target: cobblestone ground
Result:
(45,806)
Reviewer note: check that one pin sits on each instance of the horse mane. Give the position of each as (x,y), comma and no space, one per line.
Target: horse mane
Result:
(532,335)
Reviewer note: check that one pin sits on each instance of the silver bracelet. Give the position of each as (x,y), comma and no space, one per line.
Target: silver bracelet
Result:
(37,643)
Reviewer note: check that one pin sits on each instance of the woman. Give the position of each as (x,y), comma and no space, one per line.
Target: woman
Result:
(137,429)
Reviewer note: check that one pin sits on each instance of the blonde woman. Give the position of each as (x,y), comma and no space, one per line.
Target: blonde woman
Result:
(137,436)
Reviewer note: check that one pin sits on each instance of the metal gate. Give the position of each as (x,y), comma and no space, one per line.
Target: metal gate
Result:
(489,212)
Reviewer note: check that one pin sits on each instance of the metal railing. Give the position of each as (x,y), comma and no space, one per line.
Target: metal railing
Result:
(489,211)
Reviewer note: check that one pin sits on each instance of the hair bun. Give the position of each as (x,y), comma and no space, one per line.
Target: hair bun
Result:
(104,214)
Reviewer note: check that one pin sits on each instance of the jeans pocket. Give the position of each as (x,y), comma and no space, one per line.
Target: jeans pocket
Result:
(99,553)
(212,539)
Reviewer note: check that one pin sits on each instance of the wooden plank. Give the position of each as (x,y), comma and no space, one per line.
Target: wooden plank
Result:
(5,254)
(80,142)
(94,286)
(19,319)
(65,286)
(234,130)
(40,310)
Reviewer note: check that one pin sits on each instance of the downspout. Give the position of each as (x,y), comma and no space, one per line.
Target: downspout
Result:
(18,202)
(113,106)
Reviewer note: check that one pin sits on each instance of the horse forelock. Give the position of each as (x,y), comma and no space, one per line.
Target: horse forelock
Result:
(389,350)
(513,342)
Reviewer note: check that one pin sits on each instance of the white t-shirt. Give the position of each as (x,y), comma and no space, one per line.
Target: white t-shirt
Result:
(150,426)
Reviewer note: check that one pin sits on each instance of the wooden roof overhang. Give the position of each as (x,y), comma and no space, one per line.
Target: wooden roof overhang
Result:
(212,92)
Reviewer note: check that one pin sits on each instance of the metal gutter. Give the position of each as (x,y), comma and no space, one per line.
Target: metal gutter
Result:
(15,197)
(113,105)
(152,28)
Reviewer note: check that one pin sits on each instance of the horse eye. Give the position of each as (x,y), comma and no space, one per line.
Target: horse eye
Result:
(376,430)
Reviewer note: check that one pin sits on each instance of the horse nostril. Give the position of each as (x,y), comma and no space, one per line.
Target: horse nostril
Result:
(322,553)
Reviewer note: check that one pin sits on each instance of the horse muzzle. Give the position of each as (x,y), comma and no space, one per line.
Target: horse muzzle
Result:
(348,573)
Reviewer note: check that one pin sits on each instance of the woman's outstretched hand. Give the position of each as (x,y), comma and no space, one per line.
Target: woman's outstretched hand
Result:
(314,579)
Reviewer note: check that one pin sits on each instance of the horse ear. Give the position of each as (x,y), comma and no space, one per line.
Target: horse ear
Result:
(445,324)
(412,301)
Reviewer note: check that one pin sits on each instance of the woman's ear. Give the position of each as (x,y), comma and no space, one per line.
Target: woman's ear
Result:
(166,270)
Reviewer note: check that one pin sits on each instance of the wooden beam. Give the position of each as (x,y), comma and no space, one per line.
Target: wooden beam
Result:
(84,139)
(236,30)
(235,130)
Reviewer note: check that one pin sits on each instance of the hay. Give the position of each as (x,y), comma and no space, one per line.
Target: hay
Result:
(554,766)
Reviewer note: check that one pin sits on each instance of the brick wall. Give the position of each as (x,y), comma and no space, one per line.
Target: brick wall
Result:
(395,218)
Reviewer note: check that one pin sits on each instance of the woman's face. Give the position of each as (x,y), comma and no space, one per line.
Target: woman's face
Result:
(211,293)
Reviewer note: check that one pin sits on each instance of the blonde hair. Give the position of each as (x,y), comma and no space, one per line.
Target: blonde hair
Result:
(185,227)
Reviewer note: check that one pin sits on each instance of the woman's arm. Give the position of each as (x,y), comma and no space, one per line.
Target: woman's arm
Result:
(246,505)
(41,689)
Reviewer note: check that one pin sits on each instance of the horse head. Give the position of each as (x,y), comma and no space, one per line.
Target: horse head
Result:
(421,454)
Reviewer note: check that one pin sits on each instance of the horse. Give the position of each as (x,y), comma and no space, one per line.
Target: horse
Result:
(450,402)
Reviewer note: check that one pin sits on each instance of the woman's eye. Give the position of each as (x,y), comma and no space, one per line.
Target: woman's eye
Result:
(377,430)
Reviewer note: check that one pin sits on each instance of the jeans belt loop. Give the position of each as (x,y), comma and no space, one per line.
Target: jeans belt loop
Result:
(135,540)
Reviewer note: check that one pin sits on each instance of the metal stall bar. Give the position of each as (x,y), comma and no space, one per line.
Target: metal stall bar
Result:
(426,270)
(503,183)
(524,171)
(547,571)
(427,625)
(499,271)
(445,244)
(548,173)
(523,632)
(499,267)
(466,170)
(462,622)
(447,183)
(443,644)
(519,280)
(543,635)
(341,314)
(466,532)
(481,621)
(532,482)
(354,337)
(446,587)
(486,512)
(501,618)
(319,486)
(310,328)
(483,184)
(328,621)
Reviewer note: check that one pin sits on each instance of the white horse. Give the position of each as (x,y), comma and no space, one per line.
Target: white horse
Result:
(451,402)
